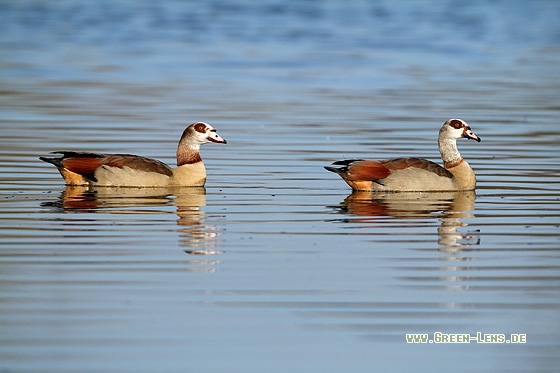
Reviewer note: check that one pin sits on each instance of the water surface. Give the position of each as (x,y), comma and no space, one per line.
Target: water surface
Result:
(275,265)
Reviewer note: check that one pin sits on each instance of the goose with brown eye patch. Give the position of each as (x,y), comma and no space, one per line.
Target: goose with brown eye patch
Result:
(415,174)
(126,170)
(456,123)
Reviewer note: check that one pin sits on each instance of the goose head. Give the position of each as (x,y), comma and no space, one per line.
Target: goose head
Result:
(200,133)
(455,129)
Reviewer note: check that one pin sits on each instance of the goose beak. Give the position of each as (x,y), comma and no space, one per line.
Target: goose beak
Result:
(469,134)
(224,141)
(214,137)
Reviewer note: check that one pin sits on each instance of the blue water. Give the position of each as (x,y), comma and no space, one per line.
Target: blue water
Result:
(276,266)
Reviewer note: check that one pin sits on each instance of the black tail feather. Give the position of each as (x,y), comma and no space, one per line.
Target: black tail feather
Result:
(343,165)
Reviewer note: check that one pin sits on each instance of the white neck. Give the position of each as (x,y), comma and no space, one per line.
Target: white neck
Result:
(449,152)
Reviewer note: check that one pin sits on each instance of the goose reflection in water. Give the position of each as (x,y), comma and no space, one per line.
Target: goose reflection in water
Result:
(188,202)
(449,207)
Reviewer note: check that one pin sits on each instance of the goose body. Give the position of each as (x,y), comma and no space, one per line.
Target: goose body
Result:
(127,170)
(415,174)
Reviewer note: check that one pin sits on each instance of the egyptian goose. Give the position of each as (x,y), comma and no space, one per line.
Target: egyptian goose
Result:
(126,170)
(415,174)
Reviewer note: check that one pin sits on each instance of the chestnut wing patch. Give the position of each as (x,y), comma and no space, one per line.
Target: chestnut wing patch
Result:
(81,163)
(86,164)
(367,170)
(82,166)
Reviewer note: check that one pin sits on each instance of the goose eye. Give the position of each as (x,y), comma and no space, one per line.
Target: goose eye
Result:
(200,127)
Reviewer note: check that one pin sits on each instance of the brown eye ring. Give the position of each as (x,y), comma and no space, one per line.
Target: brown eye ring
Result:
(456,123)
(200,127)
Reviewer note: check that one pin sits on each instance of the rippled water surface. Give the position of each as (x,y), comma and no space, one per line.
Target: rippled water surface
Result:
(276,265)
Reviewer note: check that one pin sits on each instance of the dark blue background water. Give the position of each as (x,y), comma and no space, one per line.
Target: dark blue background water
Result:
(276,267)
